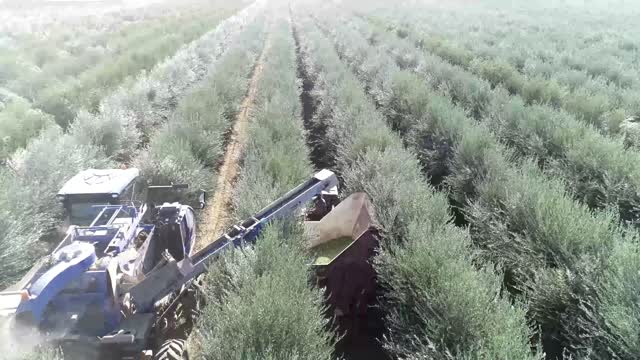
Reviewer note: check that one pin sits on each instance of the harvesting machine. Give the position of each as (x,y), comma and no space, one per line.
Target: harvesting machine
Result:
(125,281)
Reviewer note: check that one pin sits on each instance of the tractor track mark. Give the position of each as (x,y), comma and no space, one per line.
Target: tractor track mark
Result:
(217,217)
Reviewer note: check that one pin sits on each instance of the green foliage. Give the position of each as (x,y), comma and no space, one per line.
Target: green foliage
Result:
(276,147)
(62,82)
(190,144)
(86,89)
(499,72)
(590,107)
(598,170)
(542,91)
(266,309)
(12,66)
(539,81)
(18,124)
(620,299)
(552,249)
(128,117)
(169,160)
(46,163)
(29,210)
(71,86)
(276,157)
(424,260)
(406,97)
(54,102)
(261,296)
(18,242)
(27,203)
(443,48)
(117,136)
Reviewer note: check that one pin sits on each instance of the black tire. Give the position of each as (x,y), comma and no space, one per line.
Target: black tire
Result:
(172,349)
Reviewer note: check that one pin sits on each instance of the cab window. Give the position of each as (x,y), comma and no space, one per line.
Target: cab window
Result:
(127,194)
(83,213)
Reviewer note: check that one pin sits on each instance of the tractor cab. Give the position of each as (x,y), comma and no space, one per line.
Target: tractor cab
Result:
(83,193)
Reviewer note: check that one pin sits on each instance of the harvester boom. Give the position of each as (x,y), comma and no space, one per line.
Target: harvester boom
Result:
(171,275)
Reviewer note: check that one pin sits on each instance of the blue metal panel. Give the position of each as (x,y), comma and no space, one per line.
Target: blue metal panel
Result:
(111,236)
(81,257)
(90,292)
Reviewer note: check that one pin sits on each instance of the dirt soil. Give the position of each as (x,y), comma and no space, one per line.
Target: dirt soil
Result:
(218,216)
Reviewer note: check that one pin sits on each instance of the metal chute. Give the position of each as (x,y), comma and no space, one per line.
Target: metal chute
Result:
(342,245)
(340,228)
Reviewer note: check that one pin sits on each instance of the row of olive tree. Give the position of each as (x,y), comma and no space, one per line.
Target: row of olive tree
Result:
(565,259)
(439,304)
(259,296)
(29,211)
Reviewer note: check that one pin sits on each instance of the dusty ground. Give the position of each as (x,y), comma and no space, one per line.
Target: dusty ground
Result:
(217,216)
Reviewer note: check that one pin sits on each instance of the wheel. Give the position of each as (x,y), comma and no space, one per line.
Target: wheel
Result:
(172,349)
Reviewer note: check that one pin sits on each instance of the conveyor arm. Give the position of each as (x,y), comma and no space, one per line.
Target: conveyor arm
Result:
(170,276)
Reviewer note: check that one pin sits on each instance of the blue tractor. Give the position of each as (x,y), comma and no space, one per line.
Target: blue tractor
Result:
(124,281)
